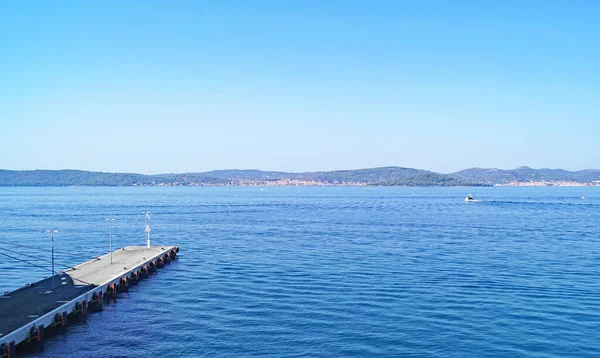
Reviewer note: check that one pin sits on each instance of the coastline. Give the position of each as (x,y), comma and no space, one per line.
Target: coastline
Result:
(550,183)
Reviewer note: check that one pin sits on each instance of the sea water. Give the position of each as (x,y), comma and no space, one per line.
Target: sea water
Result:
(325,272)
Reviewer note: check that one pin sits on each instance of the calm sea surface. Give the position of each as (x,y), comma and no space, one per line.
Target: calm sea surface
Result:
(327,272)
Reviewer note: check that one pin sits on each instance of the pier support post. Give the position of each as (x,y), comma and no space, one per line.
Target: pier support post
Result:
(80,308)
(12,349)
(8,349)
(111,291)
(134,278)
(144,272)
(96,302)
(123,284)
(60,319)
(37,333)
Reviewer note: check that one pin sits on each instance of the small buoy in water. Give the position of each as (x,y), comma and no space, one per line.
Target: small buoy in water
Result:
(583,198)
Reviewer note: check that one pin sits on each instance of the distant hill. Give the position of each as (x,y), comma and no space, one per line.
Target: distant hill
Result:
(68,177)
(386,176)
(86,178)
(239,174)
(374,176)
(525,174)
(389,176)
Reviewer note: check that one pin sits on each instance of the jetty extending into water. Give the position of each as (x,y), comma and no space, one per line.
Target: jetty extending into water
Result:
(26,313)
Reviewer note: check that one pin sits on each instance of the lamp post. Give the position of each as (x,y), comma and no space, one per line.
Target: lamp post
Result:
(147,213)
(110,221)
(52,232)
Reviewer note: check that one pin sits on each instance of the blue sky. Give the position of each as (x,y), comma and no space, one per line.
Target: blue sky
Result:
(156,87)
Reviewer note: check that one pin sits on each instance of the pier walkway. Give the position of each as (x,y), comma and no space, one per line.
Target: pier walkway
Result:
(26,312)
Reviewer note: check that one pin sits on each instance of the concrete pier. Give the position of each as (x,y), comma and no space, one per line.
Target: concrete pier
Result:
(26,312)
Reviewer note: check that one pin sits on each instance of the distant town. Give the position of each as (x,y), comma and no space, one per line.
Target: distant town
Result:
(277,182)
(291,182)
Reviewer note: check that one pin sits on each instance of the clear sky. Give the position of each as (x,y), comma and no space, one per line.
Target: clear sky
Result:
(175,86)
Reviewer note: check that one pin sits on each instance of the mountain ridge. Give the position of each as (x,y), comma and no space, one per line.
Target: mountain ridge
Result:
(524,174)
(381,176)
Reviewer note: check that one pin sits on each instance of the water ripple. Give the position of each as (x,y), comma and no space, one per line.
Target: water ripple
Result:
(296,272)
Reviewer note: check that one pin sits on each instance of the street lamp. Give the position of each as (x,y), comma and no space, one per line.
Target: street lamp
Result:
(52,232)
(110,221)
(147,213)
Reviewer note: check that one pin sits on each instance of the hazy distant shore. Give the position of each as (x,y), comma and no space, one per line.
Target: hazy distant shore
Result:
(384,176)
(549,183)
